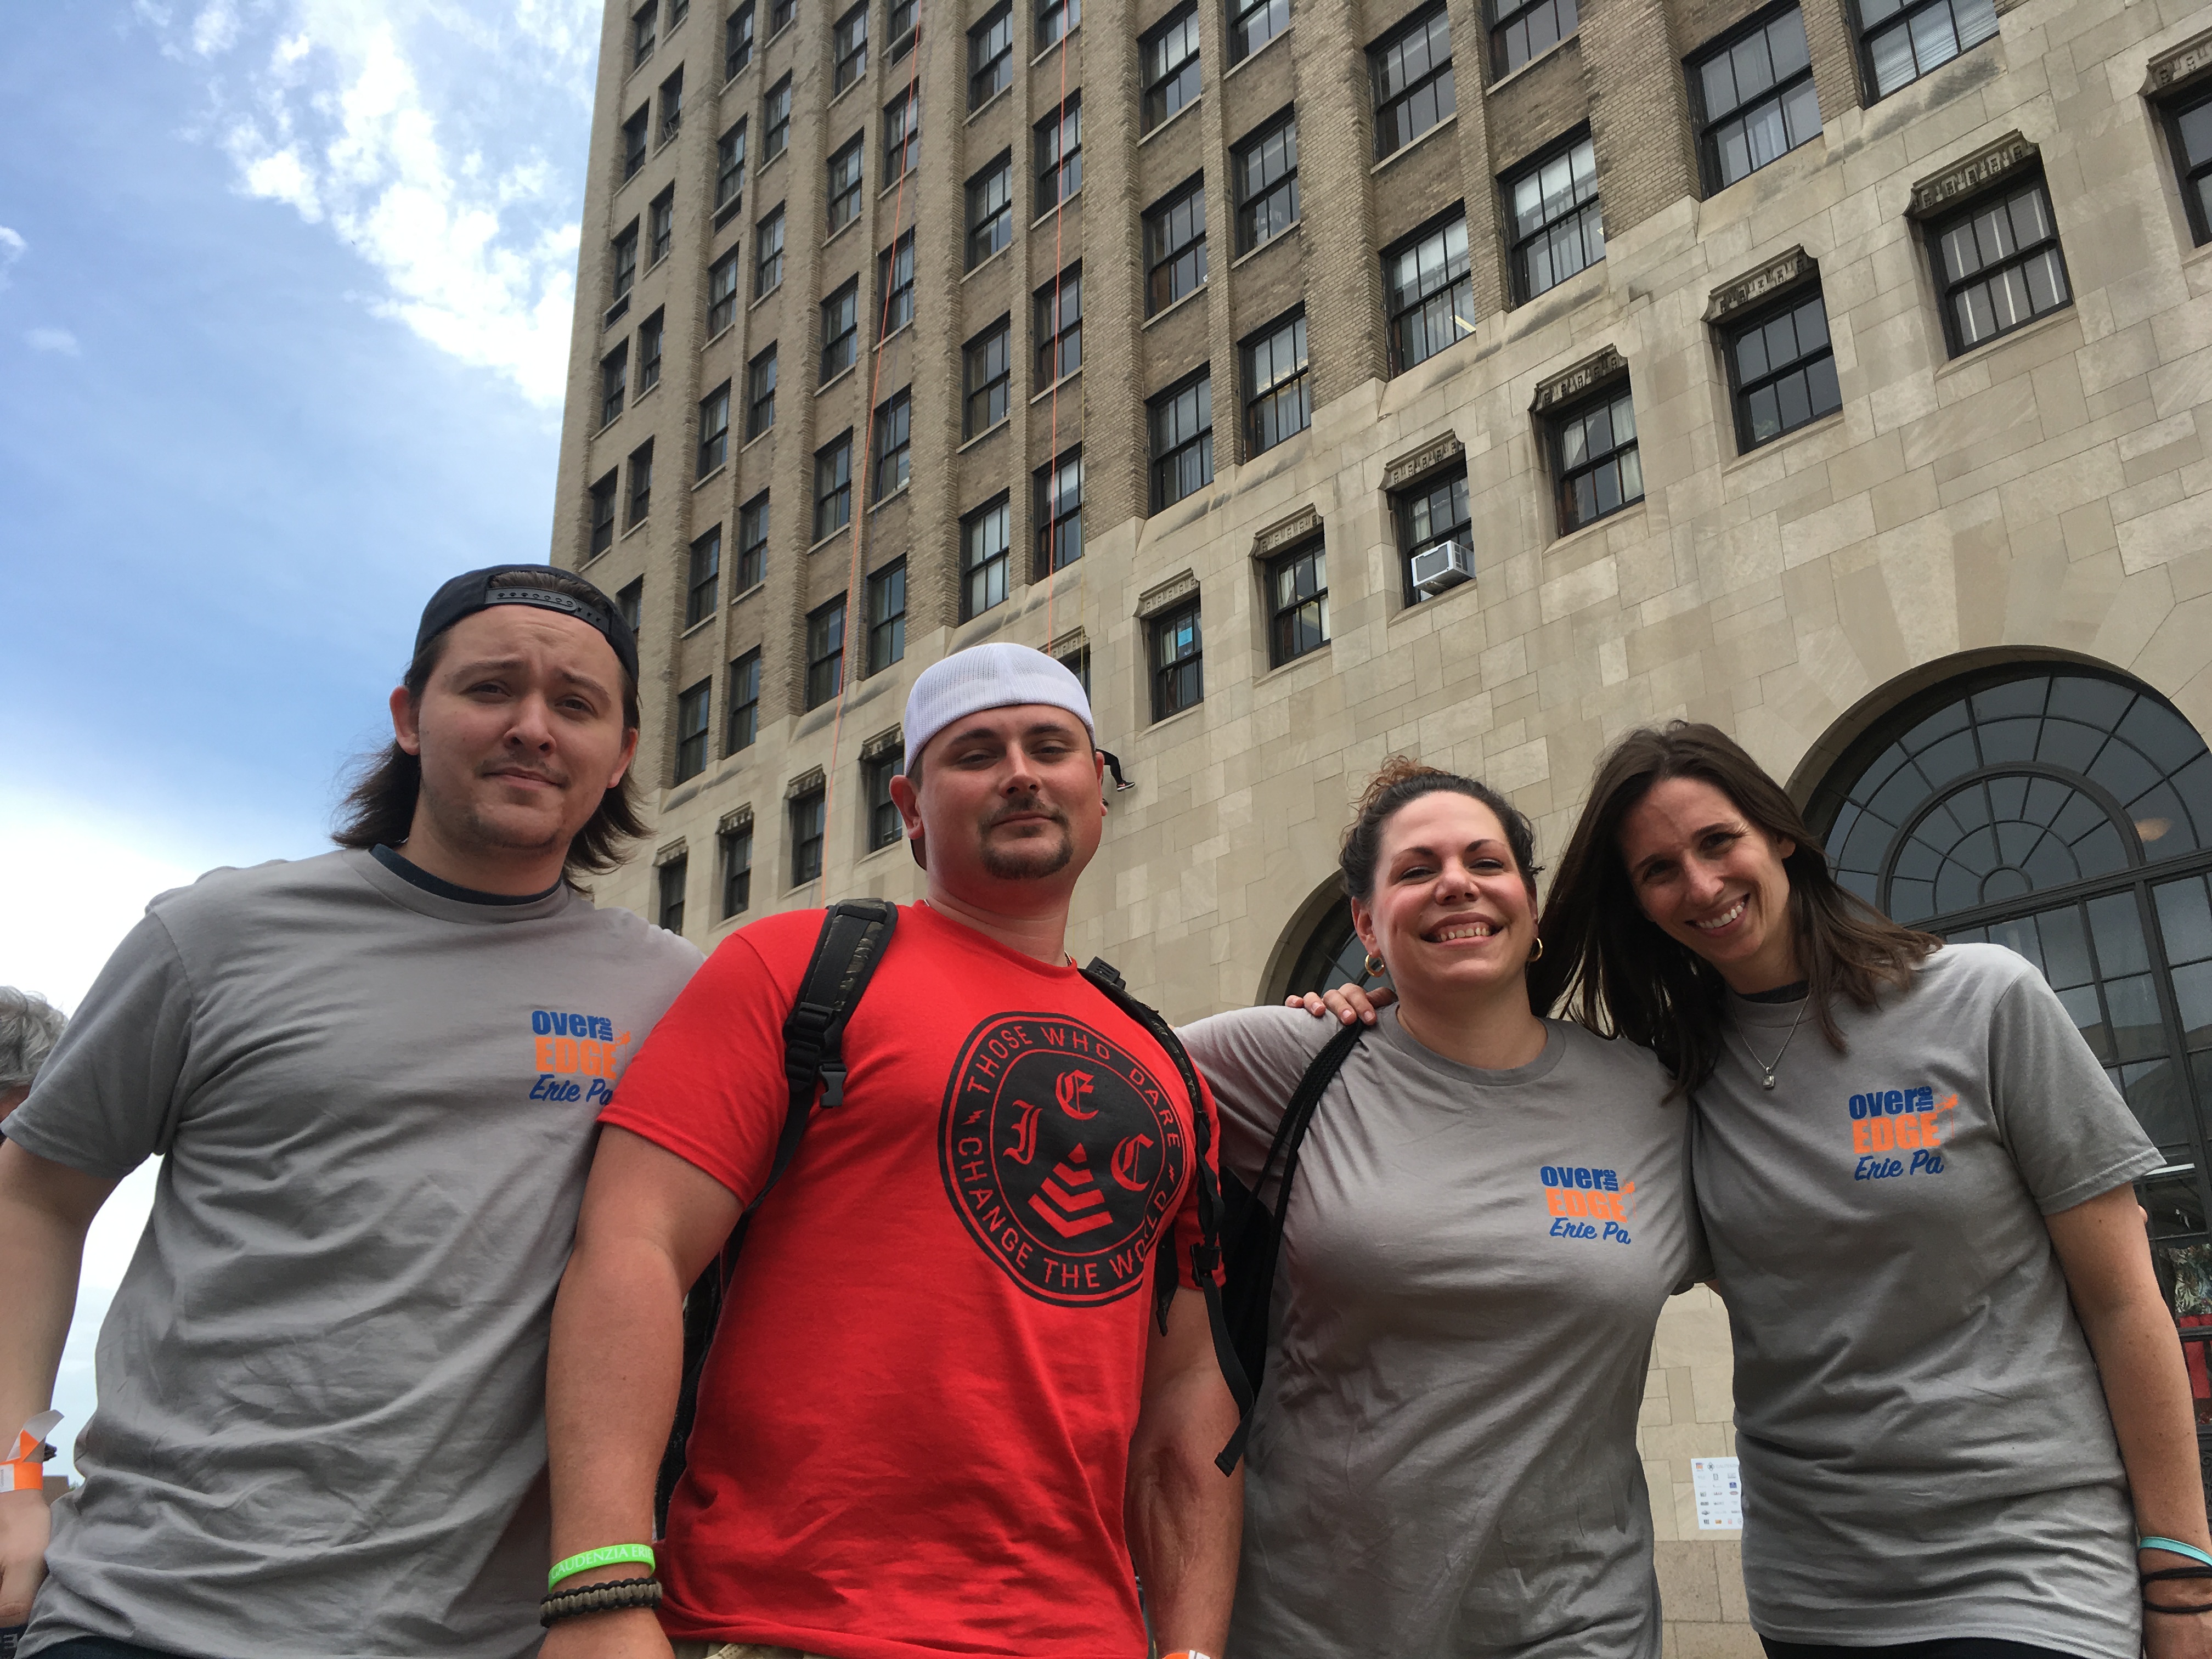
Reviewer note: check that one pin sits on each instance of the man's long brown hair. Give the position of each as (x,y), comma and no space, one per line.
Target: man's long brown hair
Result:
(379,808)
(1619,974)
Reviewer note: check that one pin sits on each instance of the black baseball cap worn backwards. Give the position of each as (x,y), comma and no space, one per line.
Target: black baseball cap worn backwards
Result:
(512,584)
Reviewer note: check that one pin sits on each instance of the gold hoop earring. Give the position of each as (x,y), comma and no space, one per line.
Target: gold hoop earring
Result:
(1375,964)
(1537,955)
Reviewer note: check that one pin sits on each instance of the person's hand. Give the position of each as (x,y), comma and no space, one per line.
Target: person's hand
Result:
(2176,1636)
(1347,1003)
(632,1633)
(24,1525)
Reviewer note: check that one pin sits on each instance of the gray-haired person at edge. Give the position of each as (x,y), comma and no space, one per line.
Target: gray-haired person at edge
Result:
(373,1078)
(1960,1400)
(1491,1210)
(29,1028)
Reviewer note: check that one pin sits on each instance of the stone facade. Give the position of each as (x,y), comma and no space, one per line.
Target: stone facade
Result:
(2042,494)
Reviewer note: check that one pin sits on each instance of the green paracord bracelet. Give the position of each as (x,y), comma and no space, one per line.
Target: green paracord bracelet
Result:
(606,1555)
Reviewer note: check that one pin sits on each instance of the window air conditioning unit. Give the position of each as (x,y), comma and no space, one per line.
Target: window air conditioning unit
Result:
(1442,565)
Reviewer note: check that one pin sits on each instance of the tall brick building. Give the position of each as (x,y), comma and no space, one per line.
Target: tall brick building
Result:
(1473,379)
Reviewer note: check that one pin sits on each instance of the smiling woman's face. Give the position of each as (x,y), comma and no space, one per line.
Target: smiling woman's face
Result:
(1713,880)
(1451,914)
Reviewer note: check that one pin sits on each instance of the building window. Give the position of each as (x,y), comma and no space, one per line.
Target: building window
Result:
(625,248)
(735,851)
(671,106)
(895,282)
(760,394)
(826,653)
(779,16)
(1556,227)
(1783,370)
(1054,18)
(902,135)
(648,354)
(603,512)
(744,730)
(1411,76)
(885,827)
(832,485)
(703,586)
(692,709)
(767,254)
(845,186)
(1266,180)
(614,381)
(715,429)
(1297,603)
(1434,510)
(1755,99)
(752,543)
(661,218)
(1060,154)
(894,445)
(672,876)
(1429,292)
(776,118)
(1900,40)
(641,32)
(677,11)
(1178,661)
(840,331)
(1058,327)
(738,41)
(1168,55)
(1175,247)
(986,374)
(809,817)
(990,56)
(991,210)
(1523,29)
(1181,420)
(903,14)
(1277,395)
(721,294)
(1252,23)
(2189,133)
(887,617)
(1057,511)
(631,603)
(849,45)
(730,169)
(1077,663)
(985,538)
(636,134)
(640,484)
(1998,266)
(1594,458)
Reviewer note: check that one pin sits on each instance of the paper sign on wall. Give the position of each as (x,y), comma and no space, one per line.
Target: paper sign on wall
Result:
(1719,1491)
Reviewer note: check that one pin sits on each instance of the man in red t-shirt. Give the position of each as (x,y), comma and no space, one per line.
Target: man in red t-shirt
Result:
(934,1420)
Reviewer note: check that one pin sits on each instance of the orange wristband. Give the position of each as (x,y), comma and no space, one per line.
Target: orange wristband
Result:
(25,1468)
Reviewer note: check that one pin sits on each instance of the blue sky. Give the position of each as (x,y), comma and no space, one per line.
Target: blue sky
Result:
(285,291)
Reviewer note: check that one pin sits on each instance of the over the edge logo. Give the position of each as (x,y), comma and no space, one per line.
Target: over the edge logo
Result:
(1888,1121)
(1587,1203)
(569,1047)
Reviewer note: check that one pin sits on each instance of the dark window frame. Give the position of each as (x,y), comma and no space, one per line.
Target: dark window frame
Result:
(1059,529)
(1056,326)
(991,227)
(1245,37)
(1297,621)
(887,616)
(1573,464)
(1524,31)
(760,392)
(703,578)
(894,446)
(1058,161)
(2193,177)
(901,149)
(844,196)
(1056,20)
(752,545)
(833,500)
(885,827)
(641,484)
(625,261)
(1757,329)
(722,293)
(644,32)
(895,282)
(1900,19)
(630,601)
(741,722)
(1172,85)
(649,333)
(1265,202)
(775,117)
(660,217)
(1581,210)
(987,574)
(637,140)
(1995,206)
(670,881)
(781,13)
(737,43)
(606,504)
(1164,461)
(848,48)
(1265,412)
(809,814)
(1443,298)
(733,848)
(1414,518)
(730,171)
(715,429)
(768,252)
(825,651)
(1417,97)
(1165,256)
(671,107)
(1175,641)
(1787,95)
(991,56)
(614,382)
(986,379)
(694,719)
(841,330)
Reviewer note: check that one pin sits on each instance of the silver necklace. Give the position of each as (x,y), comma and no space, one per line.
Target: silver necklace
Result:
(1768,1081)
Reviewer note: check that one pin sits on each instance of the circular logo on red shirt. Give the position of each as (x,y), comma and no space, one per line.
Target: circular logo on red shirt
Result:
(1063,1155)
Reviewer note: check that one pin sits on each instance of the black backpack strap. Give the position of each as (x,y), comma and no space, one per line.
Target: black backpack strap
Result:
(1297,1115)
(1206,1254)
(855,935)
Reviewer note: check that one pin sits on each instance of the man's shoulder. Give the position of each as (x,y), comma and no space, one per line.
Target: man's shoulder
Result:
(231,894)
(632,937)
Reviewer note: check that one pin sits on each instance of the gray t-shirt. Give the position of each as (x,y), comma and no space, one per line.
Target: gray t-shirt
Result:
(321,1431)
(1443,1459)
(1925,1446)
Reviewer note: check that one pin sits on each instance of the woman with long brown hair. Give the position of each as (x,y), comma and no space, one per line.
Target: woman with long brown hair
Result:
(1960,1401)
(1490,1212)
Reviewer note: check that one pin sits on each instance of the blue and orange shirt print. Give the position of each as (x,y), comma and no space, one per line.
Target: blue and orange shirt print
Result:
(1899,1132)
(1586,1203)
(577,1056)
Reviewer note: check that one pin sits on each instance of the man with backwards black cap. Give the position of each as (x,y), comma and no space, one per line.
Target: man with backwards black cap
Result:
(374,1076)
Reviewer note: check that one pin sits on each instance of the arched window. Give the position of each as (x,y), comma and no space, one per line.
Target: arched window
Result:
(1331,955)
(2067,813)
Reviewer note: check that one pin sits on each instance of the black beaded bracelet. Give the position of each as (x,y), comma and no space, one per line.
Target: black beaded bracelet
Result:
(613,1597)
(2150,1606)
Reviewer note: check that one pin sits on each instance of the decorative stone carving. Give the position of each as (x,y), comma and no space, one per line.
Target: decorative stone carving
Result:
(669,853)
(1785,270)
(884,743)
(1406,468)
(736,823)
(1586,375)
(1296,528)
(1073,640)
(2187,61)
(1986,165)
(1173,591)
(805,784)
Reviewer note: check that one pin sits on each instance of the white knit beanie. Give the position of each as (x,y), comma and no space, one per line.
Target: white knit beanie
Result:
(994,676)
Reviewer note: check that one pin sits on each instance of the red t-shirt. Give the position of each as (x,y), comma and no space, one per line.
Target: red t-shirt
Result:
(914,1425)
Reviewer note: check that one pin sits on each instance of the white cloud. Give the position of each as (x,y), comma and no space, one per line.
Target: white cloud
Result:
(413,130)
(12,248)
(51,339)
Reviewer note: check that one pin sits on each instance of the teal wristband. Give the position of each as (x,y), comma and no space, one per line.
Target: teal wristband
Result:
(607,1555)
(2174,1546)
